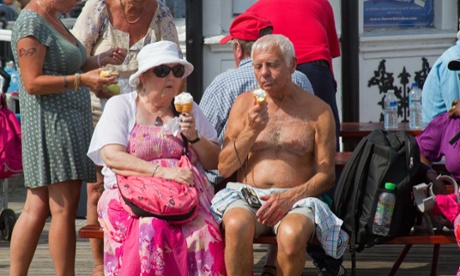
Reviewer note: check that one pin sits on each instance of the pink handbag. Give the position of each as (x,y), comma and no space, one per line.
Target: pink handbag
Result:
(448,205)
(149,196)
(438,205)
(10,142)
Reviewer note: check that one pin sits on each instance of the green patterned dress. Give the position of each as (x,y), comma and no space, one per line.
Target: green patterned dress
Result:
(56,128)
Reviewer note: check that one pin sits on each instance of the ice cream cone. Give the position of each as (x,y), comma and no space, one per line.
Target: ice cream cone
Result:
(178,107)
(185,101)
(259,100)
(259,96)
(187,107)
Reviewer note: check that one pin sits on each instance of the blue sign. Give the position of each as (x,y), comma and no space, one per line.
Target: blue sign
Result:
(398,13)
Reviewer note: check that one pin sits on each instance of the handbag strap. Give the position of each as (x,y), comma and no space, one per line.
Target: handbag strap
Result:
(184,139)
(450,180)
(2,100)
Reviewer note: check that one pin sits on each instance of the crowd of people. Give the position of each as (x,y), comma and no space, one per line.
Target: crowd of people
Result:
(260,167)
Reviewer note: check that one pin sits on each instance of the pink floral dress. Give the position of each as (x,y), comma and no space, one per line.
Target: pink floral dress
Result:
(150,246)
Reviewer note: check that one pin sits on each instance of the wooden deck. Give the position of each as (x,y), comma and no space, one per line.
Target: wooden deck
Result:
(375,261)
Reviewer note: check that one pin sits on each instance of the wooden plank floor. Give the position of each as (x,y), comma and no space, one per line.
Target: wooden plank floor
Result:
(375,261)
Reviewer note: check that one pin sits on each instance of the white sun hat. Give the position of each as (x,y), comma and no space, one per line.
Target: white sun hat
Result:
(155,54)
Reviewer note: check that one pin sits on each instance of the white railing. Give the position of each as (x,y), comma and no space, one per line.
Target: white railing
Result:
(5,35)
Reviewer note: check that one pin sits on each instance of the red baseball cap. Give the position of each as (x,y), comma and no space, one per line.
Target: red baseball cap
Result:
(246,26)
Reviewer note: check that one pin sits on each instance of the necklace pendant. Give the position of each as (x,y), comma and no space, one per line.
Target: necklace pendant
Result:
(158,121)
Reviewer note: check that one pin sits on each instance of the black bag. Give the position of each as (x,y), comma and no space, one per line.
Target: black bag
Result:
(379,157)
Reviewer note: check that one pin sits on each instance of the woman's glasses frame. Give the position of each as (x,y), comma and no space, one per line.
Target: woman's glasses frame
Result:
(162,71)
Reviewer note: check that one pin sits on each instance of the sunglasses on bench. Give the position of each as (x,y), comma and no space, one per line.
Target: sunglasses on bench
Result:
(163,70)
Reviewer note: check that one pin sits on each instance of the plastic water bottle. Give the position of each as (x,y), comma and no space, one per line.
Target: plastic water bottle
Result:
(384,210)
(14,81)
(415,107)
(390,113)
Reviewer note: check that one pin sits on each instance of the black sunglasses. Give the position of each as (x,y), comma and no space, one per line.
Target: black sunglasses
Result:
(163,70)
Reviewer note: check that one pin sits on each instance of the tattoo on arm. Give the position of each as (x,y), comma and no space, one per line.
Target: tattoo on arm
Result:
(66,82)
(27,52)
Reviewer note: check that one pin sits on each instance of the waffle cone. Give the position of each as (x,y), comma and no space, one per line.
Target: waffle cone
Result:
(178,107)
(260,100)
(187,107)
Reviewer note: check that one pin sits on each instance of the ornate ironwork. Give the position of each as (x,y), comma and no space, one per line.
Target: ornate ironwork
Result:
(385,81)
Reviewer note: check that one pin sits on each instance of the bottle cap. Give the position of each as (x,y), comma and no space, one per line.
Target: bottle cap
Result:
(10,64)
(414,84)
(390,186)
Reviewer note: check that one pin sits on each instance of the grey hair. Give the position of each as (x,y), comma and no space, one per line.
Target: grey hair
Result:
(284,44)
(245,45)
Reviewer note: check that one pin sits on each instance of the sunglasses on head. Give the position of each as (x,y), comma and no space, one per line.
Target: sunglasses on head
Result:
(163,70)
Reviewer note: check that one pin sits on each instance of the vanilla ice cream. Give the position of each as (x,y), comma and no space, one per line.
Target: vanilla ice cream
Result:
(259,96)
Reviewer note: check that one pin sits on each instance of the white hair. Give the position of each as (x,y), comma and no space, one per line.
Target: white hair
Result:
(268,41)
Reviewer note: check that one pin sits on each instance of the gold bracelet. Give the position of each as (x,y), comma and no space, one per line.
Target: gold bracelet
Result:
(76,82)
(155,170)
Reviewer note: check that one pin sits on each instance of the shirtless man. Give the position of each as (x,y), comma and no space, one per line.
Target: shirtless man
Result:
(284,151)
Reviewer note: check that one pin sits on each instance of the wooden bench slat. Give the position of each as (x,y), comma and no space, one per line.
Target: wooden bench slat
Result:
(95,232)
(91,232)
(447,238)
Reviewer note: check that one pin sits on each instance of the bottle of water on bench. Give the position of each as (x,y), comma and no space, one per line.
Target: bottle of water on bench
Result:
(384,211)
(390,112)
(415,107)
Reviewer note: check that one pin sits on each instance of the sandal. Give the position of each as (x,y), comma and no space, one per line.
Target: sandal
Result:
(268,270)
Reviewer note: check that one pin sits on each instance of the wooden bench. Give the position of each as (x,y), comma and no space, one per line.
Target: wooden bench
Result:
(341,158)
(446,237)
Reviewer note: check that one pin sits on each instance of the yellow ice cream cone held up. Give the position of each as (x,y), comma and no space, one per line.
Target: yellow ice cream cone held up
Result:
(178,107)
(260,96)
(183,102)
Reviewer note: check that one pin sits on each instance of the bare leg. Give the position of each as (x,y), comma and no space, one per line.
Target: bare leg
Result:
(63,202)
(94,191)
(239,235)
(294,232)
(27,230)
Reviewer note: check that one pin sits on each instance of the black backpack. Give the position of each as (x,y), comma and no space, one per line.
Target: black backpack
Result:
(379,157)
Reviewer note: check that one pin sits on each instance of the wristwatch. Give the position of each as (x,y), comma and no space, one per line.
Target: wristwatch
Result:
(197,139)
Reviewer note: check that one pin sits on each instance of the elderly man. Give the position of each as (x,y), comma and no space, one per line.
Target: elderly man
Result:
(218,98)
(283,152)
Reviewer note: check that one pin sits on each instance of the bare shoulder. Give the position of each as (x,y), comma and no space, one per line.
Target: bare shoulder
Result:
(243,101)
(314,103)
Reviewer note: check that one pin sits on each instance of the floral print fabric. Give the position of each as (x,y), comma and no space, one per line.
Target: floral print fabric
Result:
(149,246)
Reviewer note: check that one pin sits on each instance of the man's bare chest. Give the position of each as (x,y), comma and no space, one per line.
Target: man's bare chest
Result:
(287,133)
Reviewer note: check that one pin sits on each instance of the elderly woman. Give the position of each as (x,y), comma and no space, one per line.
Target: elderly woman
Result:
(136,136)
(127,24)
(440,140)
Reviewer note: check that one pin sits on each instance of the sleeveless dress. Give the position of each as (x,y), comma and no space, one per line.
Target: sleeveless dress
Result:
(150,246)
(94,30)
(56,128)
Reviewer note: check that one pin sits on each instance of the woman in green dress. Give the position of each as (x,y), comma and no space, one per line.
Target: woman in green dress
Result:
(56,128)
